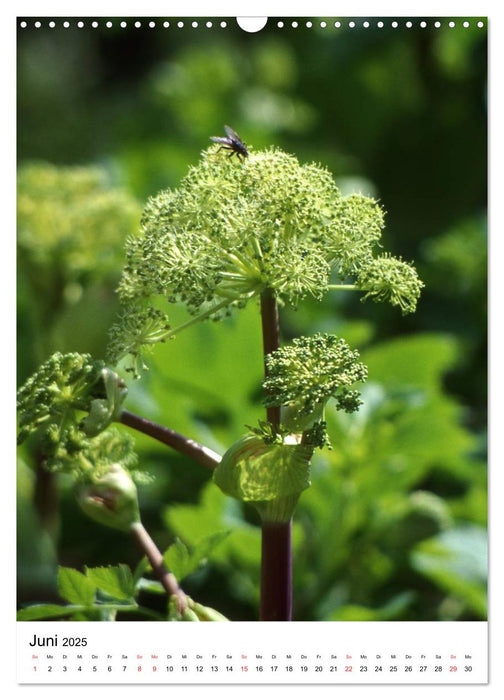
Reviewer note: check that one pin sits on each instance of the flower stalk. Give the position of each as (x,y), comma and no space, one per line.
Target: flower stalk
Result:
(276,537)
(271,342)
(201,454)
(167,579)
(276,571)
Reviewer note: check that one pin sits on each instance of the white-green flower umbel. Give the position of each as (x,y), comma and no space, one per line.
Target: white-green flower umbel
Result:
(232,230)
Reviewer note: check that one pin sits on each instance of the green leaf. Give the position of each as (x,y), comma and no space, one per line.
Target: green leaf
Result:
(95,614)
(115,581)
(147,584)
(456,560)
(178,559)
(96,611)
(142,566)
(182,561)
(418,360)
(205,546)
(394,609)
(216,512)
(75,587)
(45,610)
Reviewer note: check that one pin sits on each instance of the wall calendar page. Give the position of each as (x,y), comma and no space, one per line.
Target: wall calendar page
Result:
(311,653)
(251,369)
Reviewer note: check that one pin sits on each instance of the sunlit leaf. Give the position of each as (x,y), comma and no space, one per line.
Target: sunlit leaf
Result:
(114,581)
(75,586)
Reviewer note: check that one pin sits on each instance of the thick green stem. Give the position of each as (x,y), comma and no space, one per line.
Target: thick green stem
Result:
(201,454)
(276,547)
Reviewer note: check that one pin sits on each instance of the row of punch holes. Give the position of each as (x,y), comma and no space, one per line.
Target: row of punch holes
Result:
(222,24)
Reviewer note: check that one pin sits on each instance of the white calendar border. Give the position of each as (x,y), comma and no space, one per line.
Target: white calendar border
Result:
(293,8)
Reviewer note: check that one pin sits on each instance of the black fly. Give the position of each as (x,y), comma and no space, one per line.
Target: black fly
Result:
(231,142)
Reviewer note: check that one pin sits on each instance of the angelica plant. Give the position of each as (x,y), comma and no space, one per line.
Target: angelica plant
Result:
(268,230)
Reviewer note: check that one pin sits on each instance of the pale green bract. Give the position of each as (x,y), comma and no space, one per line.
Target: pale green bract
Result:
(253,471)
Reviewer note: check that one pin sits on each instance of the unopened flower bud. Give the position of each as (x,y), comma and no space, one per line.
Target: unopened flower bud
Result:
(206,614)
(103,411)
(110,499)
(189,615)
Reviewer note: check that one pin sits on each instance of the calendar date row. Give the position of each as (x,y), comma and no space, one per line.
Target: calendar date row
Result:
(267,669)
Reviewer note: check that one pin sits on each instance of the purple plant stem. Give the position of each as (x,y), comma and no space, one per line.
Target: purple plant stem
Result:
(271,342)
(201,454)
(276,547)
(276,571)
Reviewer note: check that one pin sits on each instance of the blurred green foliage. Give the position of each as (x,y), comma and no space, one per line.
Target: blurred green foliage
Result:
(393,525)
(71,229)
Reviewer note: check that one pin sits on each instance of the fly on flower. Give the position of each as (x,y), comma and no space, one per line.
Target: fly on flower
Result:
(231,142)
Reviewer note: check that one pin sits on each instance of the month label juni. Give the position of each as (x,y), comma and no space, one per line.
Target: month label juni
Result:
(301,652)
